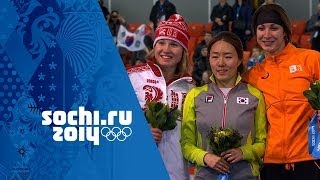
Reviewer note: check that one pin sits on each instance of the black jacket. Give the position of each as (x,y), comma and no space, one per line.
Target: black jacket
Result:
(219,11)
(157,11)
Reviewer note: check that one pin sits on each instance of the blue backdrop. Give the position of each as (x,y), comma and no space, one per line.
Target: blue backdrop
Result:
(59,55)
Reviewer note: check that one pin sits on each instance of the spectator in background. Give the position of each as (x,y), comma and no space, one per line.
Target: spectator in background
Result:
(269,2)
(114,23)
(138,57)
(161,11)
(256,57)
(200,65)
(206,77)
(104,10)
(148,41)
(140,62)
(221,15)
(125,55)
(313,25)
(164,79)
(241,25)
(208,36)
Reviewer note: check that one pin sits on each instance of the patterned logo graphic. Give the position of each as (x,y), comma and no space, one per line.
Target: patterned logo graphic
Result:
(152,93)
(83,125)
(116,133)
(57,56)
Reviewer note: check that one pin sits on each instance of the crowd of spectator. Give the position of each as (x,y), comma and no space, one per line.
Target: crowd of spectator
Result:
(224,16)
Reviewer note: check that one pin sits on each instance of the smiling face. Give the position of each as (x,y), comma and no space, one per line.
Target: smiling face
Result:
(224,62)
(271,38)
(168,53)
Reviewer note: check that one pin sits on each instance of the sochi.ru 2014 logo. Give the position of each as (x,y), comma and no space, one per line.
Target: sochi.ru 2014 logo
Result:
(83,125)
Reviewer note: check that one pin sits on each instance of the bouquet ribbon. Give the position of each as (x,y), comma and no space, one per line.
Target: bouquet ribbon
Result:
(314,137)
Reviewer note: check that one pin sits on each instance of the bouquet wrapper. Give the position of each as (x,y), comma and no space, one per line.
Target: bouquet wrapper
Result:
(223,177)
(314,137)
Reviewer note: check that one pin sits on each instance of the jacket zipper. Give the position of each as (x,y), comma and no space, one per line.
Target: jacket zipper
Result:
(282,109)
(224,115)
(225,99)
(224,110)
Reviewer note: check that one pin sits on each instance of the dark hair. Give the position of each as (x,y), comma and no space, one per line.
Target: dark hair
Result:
(285,20)
(232,39)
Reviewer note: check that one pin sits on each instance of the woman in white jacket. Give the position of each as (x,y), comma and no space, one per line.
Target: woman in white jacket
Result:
(164,79)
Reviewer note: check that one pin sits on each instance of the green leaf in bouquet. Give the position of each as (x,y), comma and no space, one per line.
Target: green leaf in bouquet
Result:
(149,116)
(318,84)
(170,124)
(310,95)
(314,88)
(160,115)
(161,110)
(150,113)
(314,104)
(161,119)
(173,114)
(159,106)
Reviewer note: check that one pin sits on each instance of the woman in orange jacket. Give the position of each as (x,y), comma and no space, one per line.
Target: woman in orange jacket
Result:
(286,72)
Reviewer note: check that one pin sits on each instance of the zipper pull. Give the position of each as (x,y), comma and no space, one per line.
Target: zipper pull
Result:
(225,100)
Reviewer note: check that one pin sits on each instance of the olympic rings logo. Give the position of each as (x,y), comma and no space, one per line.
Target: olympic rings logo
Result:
(116,133)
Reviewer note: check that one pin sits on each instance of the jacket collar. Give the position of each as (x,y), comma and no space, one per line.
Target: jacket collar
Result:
(237,81)
(288,50)
(157,72)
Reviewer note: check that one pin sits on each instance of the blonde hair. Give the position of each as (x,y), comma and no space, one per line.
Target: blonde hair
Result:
(183,66)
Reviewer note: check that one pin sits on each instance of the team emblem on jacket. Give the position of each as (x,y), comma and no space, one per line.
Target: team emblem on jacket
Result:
(152,93)
(242,100)
(295,68)
(209,99)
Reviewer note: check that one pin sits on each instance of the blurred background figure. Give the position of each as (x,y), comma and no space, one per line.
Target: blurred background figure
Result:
(138,57)
(241,25)
(104,10)
(200,65)
(256,57)
(114,23)
(161,11)
(208,36)
(206,77)
(313,25)
(221,15)
(269,2)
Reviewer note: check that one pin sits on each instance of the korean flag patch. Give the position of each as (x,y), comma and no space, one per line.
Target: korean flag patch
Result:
(242,100)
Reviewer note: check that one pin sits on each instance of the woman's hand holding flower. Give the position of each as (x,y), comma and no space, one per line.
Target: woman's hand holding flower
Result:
(217,163)
(157,134)
(232,155)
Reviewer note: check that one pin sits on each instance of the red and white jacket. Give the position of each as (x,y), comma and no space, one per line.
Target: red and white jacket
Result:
(149,85)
